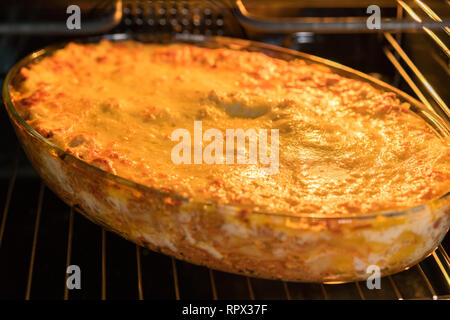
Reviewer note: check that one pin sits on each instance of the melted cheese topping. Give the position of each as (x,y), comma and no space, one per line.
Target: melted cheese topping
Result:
(345,147)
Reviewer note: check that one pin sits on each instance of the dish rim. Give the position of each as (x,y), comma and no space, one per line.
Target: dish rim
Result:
(201,39)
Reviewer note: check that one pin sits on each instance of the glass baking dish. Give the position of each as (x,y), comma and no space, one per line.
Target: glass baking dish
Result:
(307,248)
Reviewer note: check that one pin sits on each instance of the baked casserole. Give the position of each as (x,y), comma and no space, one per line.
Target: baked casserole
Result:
(349,152)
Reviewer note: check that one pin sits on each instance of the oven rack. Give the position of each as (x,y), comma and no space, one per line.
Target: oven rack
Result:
(40,237)
(178,15)
(193,15)
(339,24)
(408,70)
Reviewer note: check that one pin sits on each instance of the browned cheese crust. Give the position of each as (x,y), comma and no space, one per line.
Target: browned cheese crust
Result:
(345,147)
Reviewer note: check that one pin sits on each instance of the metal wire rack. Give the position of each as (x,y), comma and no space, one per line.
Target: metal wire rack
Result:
(40,236)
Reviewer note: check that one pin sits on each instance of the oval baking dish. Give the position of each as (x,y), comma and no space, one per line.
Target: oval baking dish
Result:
(305,247)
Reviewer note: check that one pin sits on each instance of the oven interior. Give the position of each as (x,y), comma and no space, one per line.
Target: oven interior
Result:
(40,236)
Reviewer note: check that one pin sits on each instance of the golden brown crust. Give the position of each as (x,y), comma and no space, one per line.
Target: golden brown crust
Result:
(345,147)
